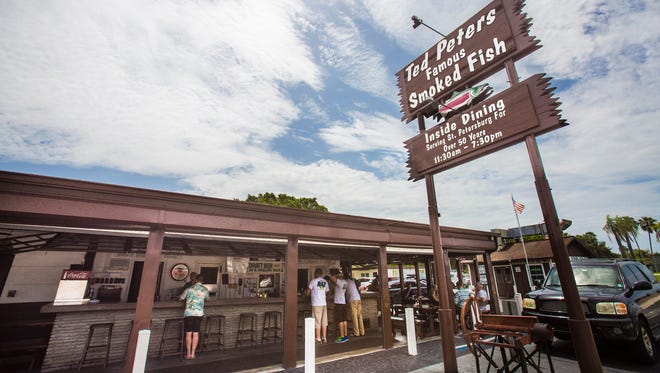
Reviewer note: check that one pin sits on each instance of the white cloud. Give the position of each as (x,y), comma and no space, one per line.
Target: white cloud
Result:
(155,88)
(358,64)
(200,91)
(367,132)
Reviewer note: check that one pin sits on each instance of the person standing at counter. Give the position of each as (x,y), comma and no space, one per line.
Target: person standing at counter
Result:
(318,288)
(340,307)
(194,296)
(191,282)
(355,301)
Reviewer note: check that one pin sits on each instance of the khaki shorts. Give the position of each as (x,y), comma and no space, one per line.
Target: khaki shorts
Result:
(320,314)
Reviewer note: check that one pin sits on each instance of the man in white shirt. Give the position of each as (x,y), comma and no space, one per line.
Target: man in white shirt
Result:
(355,301)
(340,307)
(482,298)
(318,288)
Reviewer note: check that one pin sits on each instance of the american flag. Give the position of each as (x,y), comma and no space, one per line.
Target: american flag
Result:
(519,207)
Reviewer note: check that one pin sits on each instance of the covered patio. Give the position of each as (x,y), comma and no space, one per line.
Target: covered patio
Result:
(46,214)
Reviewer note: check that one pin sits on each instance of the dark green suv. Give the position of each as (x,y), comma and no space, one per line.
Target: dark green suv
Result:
(620,298)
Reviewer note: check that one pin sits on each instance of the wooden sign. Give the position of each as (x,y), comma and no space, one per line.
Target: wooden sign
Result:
(471,53)
(498,122)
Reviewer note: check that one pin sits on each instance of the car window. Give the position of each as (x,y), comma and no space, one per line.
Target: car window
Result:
(646,272)
(638,273)
(630,275)
(597,276)
(605,276)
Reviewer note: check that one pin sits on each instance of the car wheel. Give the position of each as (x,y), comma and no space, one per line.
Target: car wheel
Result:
(645,345)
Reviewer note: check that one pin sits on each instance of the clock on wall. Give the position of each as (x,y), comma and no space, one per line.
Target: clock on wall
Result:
(179,271)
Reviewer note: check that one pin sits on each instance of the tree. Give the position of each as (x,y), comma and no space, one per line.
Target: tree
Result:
(649,225)
(287,201)
(598,248)
(612,229)
(624,229)
(630,229)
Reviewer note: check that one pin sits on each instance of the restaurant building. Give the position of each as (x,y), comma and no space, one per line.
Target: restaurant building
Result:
(79,256)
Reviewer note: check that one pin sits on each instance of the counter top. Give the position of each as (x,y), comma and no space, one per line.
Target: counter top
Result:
(91,307)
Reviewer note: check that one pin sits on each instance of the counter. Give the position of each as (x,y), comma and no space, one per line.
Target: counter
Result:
(72,322)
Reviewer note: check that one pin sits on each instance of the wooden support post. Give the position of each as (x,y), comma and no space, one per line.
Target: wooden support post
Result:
(388,340)
(291,304)
(494,298)
(445,313)
(145,301)
(583,339)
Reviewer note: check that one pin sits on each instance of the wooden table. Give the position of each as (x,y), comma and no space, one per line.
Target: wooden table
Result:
(430,312)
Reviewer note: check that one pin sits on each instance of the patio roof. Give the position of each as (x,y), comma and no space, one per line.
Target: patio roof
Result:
(47,213)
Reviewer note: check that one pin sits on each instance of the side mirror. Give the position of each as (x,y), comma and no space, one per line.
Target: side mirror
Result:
(642,285)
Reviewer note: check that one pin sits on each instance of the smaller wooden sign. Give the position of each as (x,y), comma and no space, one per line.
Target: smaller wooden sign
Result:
(501,121)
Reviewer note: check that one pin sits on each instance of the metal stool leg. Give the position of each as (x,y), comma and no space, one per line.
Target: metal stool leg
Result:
(166,337)
(211,332)
(247,326)
(272,326)
(95,329)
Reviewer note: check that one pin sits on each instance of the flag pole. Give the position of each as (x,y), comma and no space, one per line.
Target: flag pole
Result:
(522,240)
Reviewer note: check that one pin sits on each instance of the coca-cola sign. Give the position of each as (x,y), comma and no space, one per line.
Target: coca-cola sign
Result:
(472,52)
(75,275)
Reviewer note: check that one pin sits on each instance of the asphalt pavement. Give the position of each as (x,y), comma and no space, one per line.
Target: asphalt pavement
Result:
(614,359)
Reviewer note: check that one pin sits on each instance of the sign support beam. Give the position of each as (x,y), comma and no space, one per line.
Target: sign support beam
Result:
(445,315)
(583,339)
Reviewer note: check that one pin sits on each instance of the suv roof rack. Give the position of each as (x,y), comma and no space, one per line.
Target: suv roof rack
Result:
(601,260)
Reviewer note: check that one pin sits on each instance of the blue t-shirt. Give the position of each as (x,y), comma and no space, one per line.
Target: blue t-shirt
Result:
(194,297)
(461,296)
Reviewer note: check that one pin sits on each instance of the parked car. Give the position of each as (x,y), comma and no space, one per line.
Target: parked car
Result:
(395,289)
(620,299)
(364,282)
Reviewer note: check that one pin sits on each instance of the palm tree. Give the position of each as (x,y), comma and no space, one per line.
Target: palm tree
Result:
(629,229)
(648,225)
(613,230)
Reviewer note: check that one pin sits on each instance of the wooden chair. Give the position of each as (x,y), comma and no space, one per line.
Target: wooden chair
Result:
(508,333)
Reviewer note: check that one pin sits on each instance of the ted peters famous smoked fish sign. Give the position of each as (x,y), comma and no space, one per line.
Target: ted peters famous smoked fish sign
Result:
(467,55)
(498,122)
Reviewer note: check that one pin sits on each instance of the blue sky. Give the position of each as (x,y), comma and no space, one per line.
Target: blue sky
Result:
(229,98)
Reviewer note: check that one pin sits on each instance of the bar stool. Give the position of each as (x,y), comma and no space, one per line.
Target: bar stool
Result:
(247,328)
(272,326)
(101,341)
(128,339)
(302,315)
(214,328)
(172,332)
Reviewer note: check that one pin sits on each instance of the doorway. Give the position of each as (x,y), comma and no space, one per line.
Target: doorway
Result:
(136,278)
(303,280)
(504,280)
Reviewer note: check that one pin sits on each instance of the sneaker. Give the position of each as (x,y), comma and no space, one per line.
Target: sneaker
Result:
(345,339)
(339,340)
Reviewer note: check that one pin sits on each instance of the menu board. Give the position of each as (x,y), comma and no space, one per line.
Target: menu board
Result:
(72,287)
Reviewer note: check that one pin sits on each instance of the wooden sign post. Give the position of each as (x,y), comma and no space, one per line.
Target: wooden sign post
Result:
(491,40)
